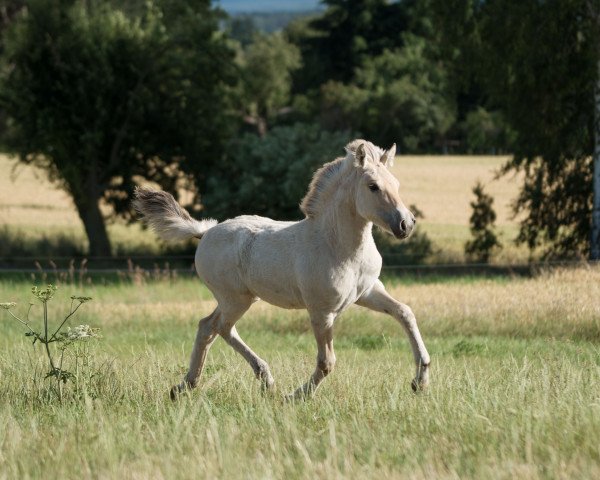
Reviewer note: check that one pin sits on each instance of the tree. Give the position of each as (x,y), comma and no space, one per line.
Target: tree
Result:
(399,96)
(242,29)
(481,224)
(486,132)
(538,64)
(272,173)
(101,97)
(336,42)
(266,67)
(594,13)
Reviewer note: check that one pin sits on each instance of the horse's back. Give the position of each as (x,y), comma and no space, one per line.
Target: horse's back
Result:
(250,255)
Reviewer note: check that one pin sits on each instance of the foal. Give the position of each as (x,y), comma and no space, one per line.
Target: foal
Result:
(324,263)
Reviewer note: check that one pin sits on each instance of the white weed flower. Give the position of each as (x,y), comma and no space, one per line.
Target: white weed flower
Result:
(82,332)
(8,305)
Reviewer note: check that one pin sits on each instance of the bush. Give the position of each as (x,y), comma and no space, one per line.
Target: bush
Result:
(481,224)
(269,176)
(487,132)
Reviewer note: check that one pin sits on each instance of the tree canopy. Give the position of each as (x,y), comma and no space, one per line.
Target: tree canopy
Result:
(538,63)
(102,96)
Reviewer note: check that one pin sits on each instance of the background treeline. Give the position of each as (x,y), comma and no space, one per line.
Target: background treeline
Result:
(108,94)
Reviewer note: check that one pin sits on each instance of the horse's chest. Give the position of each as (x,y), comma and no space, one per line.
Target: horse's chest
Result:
(357,284)
(344,287)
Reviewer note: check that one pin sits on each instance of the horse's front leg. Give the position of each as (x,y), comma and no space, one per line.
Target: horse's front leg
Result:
(379,300)
(322,325)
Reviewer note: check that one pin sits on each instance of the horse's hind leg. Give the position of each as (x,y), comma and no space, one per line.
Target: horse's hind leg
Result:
(260,367)
(207,331)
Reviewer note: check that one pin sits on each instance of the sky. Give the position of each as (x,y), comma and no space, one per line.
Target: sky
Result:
(234,6)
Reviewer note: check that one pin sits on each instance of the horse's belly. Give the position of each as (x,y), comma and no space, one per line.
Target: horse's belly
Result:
(279,297)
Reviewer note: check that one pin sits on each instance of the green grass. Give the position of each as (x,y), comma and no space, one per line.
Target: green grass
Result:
(515,388)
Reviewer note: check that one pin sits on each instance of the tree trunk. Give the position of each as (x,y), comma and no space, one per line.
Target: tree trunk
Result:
(595,236)
(95,228)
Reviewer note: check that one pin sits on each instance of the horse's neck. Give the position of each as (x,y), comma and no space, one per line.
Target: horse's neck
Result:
(347,232)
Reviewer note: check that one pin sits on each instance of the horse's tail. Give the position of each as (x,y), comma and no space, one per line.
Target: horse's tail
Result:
(166,217)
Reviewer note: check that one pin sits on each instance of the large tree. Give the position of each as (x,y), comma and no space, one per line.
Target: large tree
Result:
(265,67)
(538,63)
(102,96)
(349,32)
(399,96)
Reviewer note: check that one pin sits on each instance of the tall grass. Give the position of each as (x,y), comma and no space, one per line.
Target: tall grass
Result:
(515,389)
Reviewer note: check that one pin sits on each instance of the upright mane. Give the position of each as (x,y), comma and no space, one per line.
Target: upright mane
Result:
(324,177)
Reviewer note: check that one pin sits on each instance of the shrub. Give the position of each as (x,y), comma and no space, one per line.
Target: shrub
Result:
(269,175)
(482,220)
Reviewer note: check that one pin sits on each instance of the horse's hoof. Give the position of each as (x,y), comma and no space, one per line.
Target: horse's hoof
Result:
(266,387)
(177,390)
(419,385)
(174,393)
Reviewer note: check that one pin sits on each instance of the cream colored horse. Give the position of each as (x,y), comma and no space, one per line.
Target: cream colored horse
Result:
(324,263)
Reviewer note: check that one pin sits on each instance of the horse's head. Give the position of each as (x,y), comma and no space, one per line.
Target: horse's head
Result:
(377,190)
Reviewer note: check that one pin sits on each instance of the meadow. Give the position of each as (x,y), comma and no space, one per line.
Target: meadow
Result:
(34,211)
(515,375)
(515,389)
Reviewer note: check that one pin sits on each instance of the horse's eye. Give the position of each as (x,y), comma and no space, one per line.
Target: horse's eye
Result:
(373,187)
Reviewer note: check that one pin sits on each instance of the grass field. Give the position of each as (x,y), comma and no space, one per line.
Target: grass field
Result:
(515,389)
(440,186)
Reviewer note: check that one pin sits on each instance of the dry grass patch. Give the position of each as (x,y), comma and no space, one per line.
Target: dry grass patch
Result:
(440,186)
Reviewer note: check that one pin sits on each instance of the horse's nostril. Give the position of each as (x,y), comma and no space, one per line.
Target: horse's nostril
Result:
(403,225)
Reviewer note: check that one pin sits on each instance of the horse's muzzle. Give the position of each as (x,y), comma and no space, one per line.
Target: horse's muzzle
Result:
(402,227)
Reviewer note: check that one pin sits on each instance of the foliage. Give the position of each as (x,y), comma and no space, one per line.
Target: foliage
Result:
(242,29)
(101,97)
(338,41)
(482,220)
(396,97)
(486,132)
(66,340)
(537,63)
(271,173)
(266,66)
(546,89)
(371,66)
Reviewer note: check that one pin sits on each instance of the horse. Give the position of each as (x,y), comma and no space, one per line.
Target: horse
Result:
(323,263)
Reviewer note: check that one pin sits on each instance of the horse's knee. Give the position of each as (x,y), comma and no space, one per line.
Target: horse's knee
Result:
(326,365)
(405,315)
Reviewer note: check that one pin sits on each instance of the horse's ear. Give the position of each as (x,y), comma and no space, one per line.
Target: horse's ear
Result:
(360,156)
(388,157)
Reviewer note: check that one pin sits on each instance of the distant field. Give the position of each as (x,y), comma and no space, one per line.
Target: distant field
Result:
(515,389)
(440,186)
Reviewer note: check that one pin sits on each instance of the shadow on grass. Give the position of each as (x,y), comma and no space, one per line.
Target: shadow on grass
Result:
(15,243)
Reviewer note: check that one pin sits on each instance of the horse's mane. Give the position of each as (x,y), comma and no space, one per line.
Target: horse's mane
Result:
(325,176)
(322,178)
